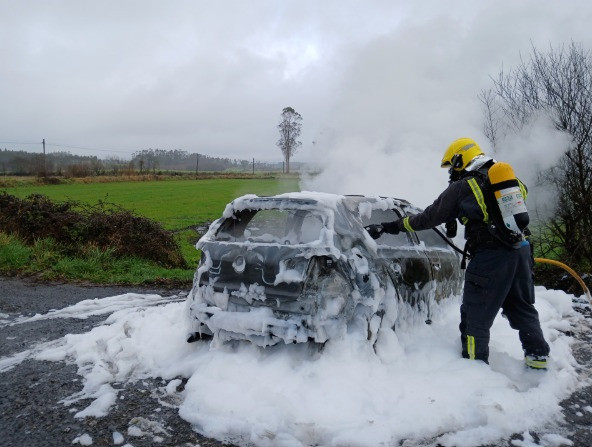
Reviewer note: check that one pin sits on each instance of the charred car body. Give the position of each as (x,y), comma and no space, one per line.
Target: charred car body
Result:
(301,267)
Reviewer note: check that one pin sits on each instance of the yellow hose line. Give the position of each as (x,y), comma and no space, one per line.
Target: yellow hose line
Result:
(570,271)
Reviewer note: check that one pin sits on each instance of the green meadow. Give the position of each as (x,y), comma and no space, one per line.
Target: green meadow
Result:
(179,205)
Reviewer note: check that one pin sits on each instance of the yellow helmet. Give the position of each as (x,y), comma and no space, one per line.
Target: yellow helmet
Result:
(460,153)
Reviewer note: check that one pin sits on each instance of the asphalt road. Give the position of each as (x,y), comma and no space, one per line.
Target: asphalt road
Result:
(31,413)
(30,410)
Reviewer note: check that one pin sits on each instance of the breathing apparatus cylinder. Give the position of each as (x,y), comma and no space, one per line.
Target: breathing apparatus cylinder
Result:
(510,199)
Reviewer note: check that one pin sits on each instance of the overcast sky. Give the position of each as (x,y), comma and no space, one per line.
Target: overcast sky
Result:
(385,78)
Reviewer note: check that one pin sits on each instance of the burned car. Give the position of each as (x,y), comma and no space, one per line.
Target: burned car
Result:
(301,267)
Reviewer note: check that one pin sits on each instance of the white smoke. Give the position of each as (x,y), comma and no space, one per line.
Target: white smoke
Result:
(537,147)
(391,124)
(406,164)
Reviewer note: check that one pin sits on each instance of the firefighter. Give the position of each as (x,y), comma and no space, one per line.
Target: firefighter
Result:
(499,274)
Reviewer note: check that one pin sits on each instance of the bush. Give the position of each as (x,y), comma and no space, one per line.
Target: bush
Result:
(77,227)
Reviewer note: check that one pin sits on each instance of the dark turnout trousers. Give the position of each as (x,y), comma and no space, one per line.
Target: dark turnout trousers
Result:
(500,278)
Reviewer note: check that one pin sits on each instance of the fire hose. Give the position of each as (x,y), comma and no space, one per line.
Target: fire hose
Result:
(571,272)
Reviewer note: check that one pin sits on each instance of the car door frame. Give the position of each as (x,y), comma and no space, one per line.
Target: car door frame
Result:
(444,261)
(409,268)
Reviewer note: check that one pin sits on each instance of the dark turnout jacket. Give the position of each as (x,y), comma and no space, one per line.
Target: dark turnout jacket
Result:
(463,200)
(456,202)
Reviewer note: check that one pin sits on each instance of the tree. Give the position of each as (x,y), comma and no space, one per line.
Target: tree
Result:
(558,83)
(491,127)
(290,127)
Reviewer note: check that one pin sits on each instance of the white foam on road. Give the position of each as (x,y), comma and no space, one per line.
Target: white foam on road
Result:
(415,387)
(97,306)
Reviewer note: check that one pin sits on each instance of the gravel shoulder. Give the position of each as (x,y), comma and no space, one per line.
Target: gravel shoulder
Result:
(32,414)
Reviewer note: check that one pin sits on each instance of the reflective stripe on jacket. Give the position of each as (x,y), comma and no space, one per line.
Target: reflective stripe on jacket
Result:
(463,200)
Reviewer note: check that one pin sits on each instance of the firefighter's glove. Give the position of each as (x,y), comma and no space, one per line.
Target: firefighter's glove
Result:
(391,227)
(375,231)
(451,228)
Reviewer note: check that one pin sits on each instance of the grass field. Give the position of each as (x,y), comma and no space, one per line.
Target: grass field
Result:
(179,205)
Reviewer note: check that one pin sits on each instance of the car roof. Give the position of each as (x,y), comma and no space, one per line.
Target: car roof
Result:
(359,198)
(308,200)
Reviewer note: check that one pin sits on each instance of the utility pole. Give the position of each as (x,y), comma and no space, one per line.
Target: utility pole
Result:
(44,161)
(253,166)
(196,164)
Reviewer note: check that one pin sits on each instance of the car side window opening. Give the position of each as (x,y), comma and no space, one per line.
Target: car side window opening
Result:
(286,227)
(394,240)
(429,237)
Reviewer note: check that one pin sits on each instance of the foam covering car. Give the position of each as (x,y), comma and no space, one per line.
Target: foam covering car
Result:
(300,267)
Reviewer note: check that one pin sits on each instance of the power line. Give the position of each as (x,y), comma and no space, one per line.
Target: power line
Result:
(88,148)
(128,152)
(68,146)
(19,142)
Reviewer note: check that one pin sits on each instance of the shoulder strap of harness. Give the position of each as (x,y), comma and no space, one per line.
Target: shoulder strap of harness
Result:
(485,198)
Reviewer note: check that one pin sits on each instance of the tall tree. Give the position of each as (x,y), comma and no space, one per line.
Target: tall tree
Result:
(290,127)
(558,83)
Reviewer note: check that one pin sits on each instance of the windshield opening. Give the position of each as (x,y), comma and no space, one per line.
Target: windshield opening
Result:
(286,227)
